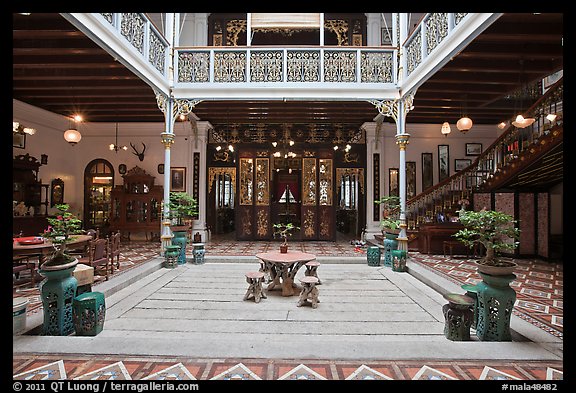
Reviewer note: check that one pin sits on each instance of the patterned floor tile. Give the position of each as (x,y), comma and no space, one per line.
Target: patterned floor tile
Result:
(489,373)
(302,372)
(51,371)
(115,371)
(366,373)
(176,372)
(237,372)
(430,373)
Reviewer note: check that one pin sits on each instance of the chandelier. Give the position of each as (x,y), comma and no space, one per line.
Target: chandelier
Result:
(18,128)
(284,151)
(446,128)
(115,146)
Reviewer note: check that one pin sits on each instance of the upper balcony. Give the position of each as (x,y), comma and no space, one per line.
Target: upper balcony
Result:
(262,72)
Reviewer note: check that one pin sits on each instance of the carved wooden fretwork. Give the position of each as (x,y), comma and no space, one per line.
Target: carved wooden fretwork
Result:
(340,28)
(233,28)
(357,172)
(214,172)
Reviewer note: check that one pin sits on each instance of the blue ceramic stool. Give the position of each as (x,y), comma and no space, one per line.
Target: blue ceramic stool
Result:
(89,313)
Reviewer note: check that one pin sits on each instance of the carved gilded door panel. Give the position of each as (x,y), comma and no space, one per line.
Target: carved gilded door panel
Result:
(244,211)
(326,224)
(262,199)
(309,226)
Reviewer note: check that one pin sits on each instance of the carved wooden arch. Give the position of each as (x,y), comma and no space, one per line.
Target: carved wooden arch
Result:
(358,172)
(216,171)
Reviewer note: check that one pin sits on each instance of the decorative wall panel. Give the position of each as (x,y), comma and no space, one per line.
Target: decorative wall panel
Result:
(309,182)
(196,176)
(325,190)
(263,230)
(246,181)
(326,224)
(504,203)
(376,186)
(214,172)
(308,226)
(262,191)
(527,214)
(543,224)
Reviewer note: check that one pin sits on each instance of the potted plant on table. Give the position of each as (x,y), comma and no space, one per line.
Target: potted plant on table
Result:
(493,230)
(283,230)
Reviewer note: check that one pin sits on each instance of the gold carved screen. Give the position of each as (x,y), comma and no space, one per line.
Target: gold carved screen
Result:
(309,182)
(262,192)
(325,182)
(246,181)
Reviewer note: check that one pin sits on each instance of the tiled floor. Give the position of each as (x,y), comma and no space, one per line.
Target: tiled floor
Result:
(141,368)
(539,287)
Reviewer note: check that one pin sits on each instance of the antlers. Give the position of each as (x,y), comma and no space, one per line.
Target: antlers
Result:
(136,152)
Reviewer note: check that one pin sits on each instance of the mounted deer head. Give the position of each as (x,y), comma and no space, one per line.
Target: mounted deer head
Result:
(137,153)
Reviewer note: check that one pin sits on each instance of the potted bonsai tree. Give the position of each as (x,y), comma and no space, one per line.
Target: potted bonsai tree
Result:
(390,223)
(283,230)
(59,230)
(493,230)
(182,209)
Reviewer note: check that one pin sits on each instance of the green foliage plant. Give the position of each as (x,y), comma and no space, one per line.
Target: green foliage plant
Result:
(492,229)
(60,231)
(283,230)
(390,221)
(182,207)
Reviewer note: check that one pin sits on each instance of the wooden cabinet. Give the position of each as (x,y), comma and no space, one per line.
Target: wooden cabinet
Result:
(136,205)
(431,238)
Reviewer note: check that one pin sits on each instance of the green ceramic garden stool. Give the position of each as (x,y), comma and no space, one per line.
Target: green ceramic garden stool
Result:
(373,256)
(398,260)
(458,316)
(57,293)
(198,252)
(89,313)
(179,239)
(495,304)
(171,254)
(390,243)
(471,292)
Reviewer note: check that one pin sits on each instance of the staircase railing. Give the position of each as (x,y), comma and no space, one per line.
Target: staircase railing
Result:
(447,194)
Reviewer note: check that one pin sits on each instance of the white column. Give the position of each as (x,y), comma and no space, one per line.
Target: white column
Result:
(167,140)
(373,146)
(373,29)
(200,146)
(402,141)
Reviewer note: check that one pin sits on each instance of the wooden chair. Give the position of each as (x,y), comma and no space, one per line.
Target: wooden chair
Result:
(115,250)
(23,263)
(98,255)
(82,252)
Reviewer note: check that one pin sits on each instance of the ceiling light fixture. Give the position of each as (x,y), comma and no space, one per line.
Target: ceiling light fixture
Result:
(18,128)
(115,146)
(465,123)
(446,129)
(72,135)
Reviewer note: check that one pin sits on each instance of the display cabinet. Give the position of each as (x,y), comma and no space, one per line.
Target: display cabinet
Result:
(136,205)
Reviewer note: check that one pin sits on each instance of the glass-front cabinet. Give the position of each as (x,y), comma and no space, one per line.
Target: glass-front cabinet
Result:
(136,205)
(98,183)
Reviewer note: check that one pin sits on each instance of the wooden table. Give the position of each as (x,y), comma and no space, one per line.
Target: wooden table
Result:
(46,248)
(284,266)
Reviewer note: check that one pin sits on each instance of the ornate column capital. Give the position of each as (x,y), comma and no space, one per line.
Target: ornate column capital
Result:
(402,140)
(167,139)
(392,108)
(182,106)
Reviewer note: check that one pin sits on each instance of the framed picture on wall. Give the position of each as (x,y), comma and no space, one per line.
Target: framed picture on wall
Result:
(427,173)
(461,163)
(410,179)
(393,189)
(473,149)
(19,140)
(178,179)
(443,162)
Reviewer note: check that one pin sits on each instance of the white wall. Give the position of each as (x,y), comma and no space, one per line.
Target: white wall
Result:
(425,138)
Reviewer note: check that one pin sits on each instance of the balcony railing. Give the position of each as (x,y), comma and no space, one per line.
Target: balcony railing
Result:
(504,152)
(296,66)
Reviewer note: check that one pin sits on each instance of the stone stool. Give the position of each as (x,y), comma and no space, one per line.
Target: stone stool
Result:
(255,288)
(89,312)
(172,253)
(309,293)
(373,256)
(312,270)
(198,252)
(458,316)
(398,260)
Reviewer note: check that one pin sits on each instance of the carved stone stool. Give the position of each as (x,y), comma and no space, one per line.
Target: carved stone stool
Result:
(309,292)
(458,316)
(312,270)
(255,288)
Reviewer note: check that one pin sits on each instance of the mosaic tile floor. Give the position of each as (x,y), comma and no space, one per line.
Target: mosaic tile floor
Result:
(151,368)
(539,286)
